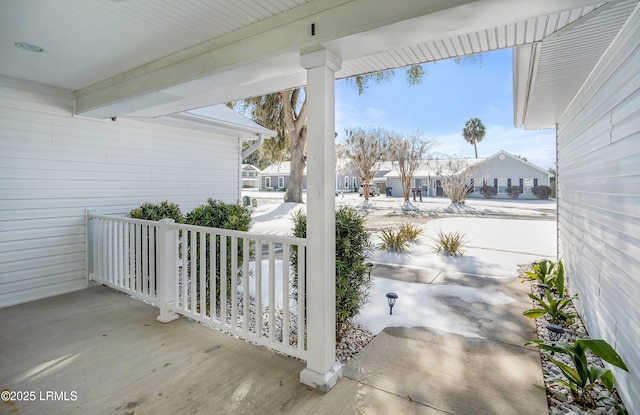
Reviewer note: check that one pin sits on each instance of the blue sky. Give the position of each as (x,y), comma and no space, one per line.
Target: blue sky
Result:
(449,95)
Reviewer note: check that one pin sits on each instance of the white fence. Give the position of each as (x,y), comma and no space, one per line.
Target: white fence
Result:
(240,282)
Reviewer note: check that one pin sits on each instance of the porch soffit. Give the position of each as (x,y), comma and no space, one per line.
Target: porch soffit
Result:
(152,58)
(548,75)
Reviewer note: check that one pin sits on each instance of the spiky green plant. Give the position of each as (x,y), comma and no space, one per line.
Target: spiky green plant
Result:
(393,240)
(450,244)
(410,231)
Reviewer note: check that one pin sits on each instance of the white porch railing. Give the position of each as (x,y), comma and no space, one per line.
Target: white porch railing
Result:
(237,281)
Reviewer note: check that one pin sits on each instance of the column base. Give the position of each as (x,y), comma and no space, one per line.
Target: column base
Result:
(322,382)
(167,317)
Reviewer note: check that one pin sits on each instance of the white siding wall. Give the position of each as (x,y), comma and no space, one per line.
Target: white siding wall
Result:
(599,202)
(54,166)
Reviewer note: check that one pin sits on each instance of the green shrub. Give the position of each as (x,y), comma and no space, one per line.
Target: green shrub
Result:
(157,211)
(488,191)
(393,240)
(542,192)
(450,244)
(514,191)
(353,279)
(217,214)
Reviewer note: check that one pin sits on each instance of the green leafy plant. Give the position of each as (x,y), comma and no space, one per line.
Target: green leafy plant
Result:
(217,214)
(548,273)
(157,211)
(541,272)
(581,378)
(393,240)
(353,279)
(553,306)
(450,244)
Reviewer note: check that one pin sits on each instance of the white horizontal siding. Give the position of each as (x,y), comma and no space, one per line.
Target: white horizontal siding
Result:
(53,166)
(599,199)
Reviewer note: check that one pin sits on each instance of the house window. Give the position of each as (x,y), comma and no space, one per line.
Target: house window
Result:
(508,182)
(346,182)
(267,182)
(502,185)
(355,182)
(280,182)
(244,174)
(521,184)
(535,182)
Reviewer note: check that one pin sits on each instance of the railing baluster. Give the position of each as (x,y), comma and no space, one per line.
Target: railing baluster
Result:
(136,281)
(182,289)
(213,300)
(223,279)
(285,294)
(272,291)
(193,274)
(301,296)
(258,267)
(234,282)
(246,249)
(153,241)
(132,254)
(203,274)
(145,259)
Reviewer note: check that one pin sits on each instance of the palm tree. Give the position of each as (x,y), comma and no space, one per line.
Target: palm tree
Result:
(474,132)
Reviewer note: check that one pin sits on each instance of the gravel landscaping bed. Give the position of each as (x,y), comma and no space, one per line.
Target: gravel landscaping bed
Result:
(559,397)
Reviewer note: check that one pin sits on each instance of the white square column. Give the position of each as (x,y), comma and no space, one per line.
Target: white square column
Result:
(322,370)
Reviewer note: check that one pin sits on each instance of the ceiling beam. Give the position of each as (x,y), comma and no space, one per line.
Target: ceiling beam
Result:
(264,57)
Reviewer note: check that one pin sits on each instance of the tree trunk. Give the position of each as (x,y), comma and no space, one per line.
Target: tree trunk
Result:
(298,163)
(406,188)
(475,148)
(297,130)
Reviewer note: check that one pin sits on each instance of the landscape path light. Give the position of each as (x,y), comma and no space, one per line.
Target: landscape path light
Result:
(391,299)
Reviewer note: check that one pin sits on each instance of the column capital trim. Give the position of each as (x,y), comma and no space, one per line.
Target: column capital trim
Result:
(320,57)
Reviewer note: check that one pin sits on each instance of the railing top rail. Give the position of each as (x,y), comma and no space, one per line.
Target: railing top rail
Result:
(225,232)
(122,219)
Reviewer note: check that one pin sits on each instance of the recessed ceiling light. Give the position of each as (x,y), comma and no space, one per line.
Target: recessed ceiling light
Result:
(29,47)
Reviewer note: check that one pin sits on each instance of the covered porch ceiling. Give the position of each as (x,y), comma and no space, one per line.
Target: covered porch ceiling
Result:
(151,58)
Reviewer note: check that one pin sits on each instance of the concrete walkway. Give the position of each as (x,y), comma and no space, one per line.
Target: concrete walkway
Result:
(103,352)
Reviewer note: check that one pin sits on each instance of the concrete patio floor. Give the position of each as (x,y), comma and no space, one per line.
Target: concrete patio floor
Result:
(105,353)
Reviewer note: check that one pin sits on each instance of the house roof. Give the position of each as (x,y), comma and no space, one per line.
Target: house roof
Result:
(443,167)
(149,59)
(438,167)
(282,168)
(250,167)
(507,154)
(218,119)
(549,73)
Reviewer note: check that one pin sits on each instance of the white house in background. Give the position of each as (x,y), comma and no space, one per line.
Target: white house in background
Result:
(250,176)
(501,170)
(55,165)
(276,177)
